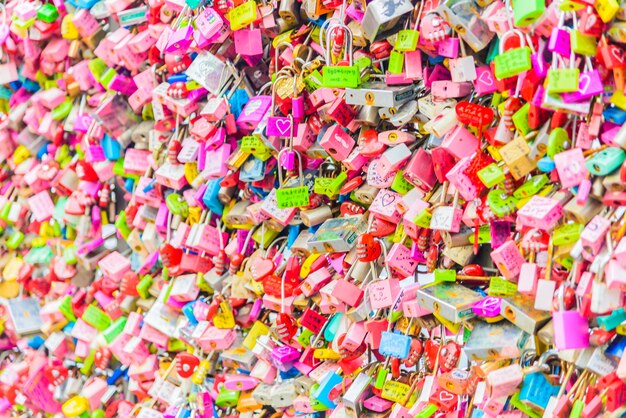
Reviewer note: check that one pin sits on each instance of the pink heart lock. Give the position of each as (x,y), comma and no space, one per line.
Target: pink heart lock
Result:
(261,268)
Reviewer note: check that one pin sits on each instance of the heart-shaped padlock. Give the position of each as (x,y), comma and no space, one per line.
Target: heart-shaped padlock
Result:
(186,364)
(449,356)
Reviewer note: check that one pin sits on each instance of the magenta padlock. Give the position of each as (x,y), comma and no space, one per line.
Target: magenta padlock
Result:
(288,160)
(560,42)
(488,307)
(248,42)
(297,108)
(285,354)
(449,48)
(589,85)
(571,329)
(485,82)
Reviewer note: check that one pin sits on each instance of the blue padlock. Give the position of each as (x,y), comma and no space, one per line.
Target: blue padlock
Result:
(209,198)
(394,345)
(537,390)
(322,393)
(188,312)
(112,148)
(333,325)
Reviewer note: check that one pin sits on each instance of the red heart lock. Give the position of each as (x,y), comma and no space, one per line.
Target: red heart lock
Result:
(381,228)
(186,364)
(415,353)
(56,372)
(369,146)
(85,171)
(286,327)
(367,248)
(102,358)
(261,268)
(128,285)
(431,349)
(170,256)
(449,356)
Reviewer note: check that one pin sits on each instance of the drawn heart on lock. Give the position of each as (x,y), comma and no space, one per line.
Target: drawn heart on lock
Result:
(617,54)
(486,78)
(283,126)
(261,268)
(388,199)
(252,107)
(445,396)
(584,83)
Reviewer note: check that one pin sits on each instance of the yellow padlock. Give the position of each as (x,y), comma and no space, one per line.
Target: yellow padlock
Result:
(20,154)
(12,269)
(75,406)
(306,266)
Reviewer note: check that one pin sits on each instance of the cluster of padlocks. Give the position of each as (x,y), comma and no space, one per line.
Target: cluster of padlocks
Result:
(313,208)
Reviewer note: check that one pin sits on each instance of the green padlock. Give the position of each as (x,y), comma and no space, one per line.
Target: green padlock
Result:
(396,62)
(107,76)
(122,225)
(98,413)
(400,185)
(341,76)
(526,12)
(381,378)
(512,62)
(114,329)
(47,13)
(444,275)
(583,44)
(606,161)
(407,40)
(88,363)
(500,203)
(562,80)
(520,120)
(177,205)
(556,142)
(427,412)
(69,255)
(65,307)
(227,398)
(5,212)
(491,175)
(97,67)
(15,240)
(143,287)
(531,187)
(577,409)
(567,234)
(96,318)
(423,219)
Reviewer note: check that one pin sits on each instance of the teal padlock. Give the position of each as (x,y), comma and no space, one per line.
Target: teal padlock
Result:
(606,161)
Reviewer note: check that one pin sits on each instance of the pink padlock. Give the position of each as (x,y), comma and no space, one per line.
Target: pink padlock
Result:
(508,259)
(337,142)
